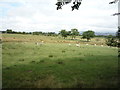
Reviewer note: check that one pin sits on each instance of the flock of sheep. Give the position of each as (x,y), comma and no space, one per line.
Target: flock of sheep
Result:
(77,45)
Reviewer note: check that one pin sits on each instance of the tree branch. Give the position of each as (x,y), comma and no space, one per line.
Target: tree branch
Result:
(114,1)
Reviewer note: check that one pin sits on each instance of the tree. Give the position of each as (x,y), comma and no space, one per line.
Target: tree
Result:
(64,33)
(88,35)
(115,1)
(76,4)
(118,33)
(112,41)
(74,33)
(69,33)
(37,33)
(9,30)
(24,32)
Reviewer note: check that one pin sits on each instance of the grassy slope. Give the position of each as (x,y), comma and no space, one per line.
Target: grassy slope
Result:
(58,65)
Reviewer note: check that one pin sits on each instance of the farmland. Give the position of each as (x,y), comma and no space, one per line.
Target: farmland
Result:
(55,64)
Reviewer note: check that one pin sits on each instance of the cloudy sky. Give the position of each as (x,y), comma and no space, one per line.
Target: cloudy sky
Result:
(41,15)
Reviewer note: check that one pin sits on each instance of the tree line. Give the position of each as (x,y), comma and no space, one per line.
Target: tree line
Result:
(10,31)
(110,39)
(73,33)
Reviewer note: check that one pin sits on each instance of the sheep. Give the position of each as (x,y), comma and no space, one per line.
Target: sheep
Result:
(108,46)
(39,43)
(69,44)
(77,45)
(87,44)
(101,45)
(94,44)
(24,42)
(42,42)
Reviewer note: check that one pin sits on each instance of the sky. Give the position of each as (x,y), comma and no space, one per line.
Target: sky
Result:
(41,15)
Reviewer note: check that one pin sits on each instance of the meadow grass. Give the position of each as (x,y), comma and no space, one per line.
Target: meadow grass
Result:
(58,65)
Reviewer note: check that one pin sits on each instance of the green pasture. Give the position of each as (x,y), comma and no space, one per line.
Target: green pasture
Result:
(57,65)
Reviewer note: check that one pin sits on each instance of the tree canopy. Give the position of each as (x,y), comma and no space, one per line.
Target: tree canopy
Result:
(88,35)
(74,33)
(64,33)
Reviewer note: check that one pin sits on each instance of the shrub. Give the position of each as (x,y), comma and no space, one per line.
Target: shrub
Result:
(63,51)
(41,61)
(60,62)
(32,61)
(50,56)
(21,60)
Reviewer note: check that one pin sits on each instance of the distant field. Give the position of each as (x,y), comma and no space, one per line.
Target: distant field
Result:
(49,39)
(55,64)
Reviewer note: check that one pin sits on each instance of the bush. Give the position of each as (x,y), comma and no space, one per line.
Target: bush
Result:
(60,62)
(111,41)
(63,51)
(50,55)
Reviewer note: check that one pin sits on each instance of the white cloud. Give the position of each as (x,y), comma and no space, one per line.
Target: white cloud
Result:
(41,15)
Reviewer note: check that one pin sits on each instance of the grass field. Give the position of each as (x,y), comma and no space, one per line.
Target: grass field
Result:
(55,64)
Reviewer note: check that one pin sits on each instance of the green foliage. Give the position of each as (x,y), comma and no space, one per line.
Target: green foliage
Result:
(64,33)
(37,33)
(118,36)
(45,33)
(112,41)
(9,30)
(69,33)
(74,33)
(118,33)
(88,35)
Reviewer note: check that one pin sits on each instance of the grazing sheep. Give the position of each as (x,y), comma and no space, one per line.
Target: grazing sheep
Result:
(42,42)
(101,45)
(69,44)
(77,45)
(39,43)
(24,42)
(94,44)
(87,44)
(108,46)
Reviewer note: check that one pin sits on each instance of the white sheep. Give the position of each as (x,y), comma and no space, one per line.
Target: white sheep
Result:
(39,43)
(69,44)
(77,45)
(94,44)
(101,45)
(87,44)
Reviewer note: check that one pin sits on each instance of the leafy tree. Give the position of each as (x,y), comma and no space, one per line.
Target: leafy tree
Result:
(69,33)
(37,33)
(111,41)
(74,33)
(88,35)
(64,33)
(24,32)
(51,34)
(9,30)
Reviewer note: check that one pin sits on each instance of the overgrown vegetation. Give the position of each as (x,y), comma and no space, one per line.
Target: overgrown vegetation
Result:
(112,41)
